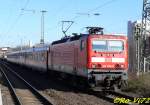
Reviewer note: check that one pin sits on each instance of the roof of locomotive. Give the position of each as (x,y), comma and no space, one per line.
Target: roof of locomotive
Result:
(109,36)
(69,39)
(77,37)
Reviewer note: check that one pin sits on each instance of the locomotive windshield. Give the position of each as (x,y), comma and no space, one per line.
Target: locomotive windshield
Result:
(107,45)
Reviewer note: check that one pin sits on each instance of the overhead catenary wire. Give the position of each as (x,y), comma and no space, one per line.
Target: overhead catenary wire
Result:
(8,17)
(17,18)
(94,9)
(91,11)
(102,5)
(62,7)
(88,12)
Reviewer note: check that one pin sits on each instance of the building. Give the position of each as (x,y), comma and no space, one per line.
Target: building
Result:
(3,50)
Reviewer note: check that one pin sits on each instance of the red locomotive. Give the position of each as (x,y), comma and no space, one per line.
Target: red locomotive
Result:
(94,58)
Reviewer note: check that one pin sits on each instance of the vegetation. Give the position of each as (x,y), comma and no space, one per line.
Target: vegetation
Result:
(140,85)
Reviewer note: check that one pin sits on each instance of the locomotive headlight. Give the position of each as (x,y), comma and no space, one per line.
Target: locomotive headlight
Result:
(122,66)
(93,66)
(108,55)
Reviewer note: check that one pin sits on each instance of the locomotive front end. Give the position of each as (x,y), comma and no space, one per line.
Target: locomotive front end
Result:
(107,60)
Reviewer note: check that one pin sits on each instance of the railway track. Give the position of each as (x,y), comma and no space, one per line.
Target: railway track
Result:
(22,92)
(113,97)
(117,97)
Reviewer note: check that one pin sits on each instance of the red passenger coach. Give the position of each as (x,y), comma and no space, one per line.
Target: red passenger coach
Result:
(93,58)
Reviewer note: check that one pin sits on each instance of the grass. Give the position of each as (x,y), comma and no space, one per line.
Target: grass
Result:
(140,85)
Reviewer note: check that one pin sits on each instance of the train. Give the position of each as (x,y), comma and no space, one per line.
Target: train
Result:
(94,59)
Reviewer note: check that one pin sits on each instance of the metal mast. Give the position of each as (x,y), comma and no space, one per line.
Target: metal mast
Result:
(143,43)
(42,27)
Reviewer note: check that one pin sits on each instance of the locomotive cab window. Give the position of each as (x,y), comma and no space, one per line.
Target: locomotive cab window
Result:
(107,45)
(99,45)
(115,45)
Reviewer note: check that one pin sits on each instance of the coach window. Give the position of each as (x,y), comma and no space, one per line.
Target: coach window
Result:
(82,45)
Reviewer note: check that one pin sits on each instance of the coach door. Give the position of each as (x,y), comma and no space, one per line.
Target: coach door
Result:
(51,55)
(47,56)
(75,60)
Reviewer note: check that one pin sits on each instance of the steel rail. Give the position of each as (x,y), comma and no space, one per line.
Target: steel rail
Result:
(111,95)
(11,88)
(42,98)
(102,95)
